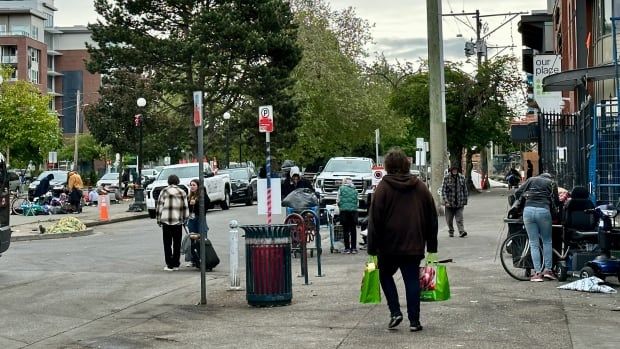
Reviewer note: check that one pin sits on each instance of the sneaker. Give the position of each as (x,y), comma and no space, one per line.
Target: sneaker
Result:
(175,268)
(168,269)
(395,320)
(463,234)
(537,277)
(346,251)
(354,251)
(189,264)
(415,327)
(548,274)
(451,234)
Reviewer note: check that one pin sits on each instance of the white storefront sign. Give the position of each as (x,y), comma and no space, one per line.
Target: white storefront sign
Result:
(545,65)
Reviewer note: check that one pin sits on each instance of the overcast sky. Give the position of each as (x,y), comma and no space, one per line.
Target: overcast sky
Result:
(399,25)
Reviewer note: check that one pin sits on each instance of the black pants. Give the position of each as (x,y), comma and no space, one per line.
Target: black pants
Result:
(348,219)
(75,198)
(172,244)
(410,269)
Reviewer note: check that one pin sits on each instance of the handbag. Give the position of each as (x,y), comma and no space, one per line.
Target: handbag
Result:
(434,283)
(370,292)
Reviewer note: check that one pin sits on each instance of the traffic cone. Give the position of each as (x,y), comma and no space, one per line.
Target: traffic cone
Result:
(104,207)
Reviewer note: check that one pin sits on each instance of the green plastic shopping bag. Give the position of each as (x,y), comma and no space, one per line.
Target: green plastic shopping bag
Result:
(434,284)
(370,292)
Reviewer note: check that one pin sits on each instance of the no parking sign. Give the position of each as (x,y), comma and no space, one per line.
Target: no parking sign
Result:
(377,173)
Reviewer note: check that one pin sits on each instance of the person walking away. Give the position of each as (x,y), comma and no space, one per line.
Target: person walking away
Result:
(192,222)
(541,194)
(347,204)
(530,169)
(513,177)
(402,222)
(172,211)
(74,185)
(454,195)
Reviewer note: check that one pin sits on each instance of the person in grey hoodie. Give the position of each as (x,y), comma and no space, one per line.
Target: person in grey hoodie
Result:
(402,223)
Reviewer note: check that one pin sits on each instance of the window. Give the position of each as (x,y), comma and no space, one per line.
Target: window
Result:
(33,65)
(34,32)
(20,30)
(49,20)
(2,28)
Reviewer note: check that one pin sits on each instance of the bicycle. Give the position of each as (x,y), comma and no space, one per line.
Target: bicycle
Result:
(516,256)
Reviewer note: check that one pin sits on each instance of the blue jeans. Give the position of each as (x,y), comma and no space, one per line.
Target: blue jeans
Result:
(410,269)
(537,222)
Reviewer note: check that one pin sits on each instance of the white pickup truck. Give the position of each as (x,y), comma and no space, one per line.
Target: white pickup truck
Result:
(330,178)
(218,186)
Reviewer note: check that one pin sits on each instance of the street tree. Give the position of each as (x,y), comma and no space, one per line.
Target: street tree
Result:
(341,105)
(239,52)
(478,109)
(111,121)
(28,130)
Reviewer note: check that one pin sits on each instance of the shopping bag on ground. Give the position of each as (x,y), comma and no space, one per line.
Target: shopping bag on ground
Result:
(370,292)
(434,284)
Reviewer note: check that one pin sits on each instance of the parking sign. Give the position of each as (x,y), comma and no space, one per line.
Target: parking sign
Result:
(265,118)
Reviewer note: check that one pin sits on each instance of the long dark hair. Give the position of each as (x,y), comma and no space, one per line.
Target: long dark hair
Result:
(194,194)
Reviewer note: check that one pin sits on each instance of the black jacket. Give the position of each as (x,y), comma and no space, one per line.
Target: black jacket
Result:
(402,220)
(44,186)
(539,191)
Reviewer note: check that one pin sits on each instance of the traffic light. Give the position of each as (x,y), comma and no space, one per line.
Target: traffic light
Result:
(137,119)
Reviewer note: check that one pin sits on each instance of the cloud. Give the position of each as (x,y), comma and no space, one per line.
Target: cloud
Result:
(411,49)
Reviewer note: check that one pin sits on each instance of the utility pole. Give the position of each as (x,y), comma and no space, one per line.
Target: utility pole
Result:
(437,99)
(77,130)
(480,47)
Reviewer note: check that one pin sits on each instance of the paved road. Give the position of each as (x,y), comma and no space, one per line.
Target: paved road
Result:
(108,290)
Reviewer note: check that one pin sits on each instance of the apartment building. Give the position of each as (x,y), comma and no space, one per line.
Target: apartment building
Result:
(48,56)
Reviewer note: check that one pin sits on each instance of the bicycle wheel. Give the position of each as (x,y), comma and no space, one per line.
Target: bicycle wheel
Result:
(515,257)
(16,205)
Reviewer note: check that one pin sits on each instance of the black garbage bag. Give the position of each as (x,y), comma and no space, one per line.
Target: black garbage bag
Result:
(300,199)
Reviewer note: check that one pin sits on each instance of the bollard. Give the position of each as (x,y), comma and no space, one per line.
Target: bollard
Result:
(234,256)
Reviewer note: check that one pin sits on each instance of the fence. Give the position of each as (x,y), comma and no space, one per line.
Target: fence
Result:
(605,165)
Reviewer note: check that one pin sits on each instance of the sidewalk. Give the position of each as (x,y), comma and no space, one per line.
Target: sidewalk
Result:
(488,309)
(27,227)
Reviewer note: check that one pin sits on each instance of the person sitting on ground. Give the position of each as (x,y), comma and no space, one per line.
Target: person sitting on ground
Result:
(93,197)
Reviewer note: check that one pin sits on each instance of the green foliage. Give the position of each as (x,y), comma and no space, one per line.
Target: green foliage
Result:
(477,108)
(340,104)
(239,52)
(27,128)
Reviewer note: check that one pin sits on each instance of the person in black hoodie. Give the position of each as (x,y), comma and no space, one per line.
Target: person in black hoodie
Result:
(402,222)
(43,187)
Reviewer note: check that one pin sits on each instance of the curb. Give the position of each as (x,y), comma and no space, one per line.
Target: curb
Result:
(88,231)
(52,236)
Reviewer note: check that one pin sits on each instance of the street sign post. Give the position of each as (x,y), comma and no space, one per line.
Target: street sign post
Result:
(265,118)
(265,124)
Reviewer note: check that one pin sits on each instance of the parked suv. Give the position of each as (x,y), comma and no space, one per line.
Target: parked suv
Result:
(336,170)
(243,184)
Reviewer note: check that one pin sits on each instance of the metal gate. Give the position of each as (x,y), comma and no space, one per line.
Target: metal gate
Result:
(605,165)
(558,147)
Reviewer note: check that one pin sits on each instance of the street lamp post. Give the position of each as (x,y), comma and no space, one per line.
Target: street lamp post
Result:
(227,117)
(138,197)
